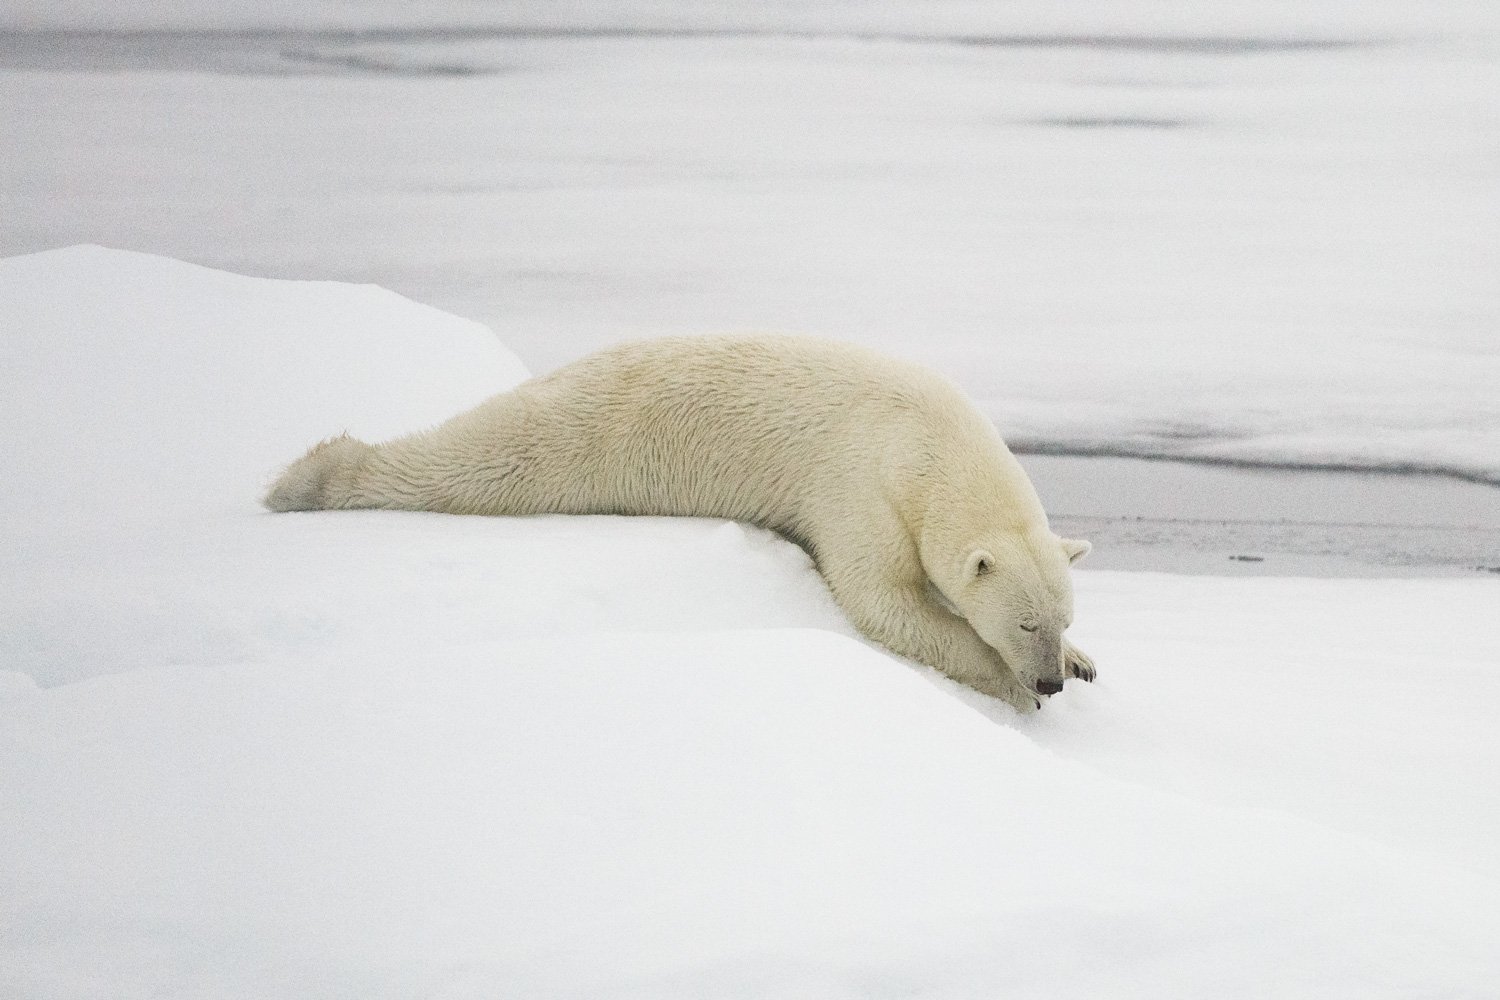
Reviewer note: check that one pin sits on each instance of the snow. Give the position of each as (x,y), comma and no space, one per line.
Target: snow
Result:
(170,383)
(1235,232)
(760,813)
(391,755)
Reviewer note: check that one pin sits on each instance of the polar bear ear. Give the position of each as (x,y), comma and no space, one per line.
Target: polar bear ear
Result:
(979,563)
(1074,548)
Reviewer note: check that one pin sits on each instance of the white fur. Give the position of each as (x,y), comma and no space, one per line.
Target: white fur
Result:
(905,495)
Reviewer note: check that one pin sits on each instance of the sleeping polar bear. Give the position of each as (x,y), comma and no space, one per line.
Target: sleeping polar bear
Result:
(925,527)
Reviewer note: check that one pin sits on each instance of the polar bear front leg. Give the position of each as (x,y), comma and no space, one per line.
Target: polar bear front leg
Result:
(1077,663)
(903,619)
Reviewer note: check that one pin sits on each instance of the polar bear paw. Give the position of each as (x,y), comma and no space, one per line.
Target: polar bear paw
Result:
(308,483)
(1077,663)
(1012,693)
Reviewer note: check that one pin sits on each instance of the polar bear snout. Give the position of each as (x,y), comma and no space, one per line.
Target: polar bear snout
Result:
(1048,687)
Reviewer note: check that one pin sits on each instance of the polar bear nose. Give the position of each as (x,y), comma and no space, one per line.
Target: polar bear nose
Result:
(1048,687)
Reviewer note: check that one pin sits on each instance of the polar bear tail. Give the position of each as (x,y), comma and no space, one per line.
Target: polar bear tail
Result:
(322,479)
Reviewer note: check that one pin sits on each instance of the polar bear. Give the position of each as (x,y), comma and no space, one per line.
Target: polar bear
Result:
(926,529)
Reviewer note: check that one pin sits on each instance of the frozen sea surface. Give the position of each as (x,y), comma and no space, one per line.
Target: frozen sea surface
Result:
(1243,233)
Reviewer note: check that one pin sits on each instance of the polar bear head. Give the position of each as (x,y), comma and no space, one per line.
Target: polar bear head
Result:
(1016,591)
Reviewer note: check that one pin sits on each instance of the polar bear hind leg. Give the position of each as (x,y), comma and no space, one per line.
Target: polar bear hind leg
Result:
(320,479)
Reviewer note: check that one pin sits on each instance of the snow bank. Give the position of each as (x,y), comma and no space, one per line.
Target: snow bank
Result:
(140,389)
(387,755)
(146,405)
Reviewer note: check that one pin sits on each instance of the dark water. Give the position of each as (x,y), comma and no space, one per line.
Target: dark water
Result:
(1195,518)
(339,51)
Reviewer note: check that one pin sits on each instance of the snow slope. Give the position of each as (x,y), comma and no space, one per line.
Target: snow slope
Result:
(126,398)
(387,755)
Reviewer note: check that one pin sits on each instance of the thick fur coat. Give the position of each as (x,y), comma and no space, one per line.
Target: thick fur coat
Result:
(925,527)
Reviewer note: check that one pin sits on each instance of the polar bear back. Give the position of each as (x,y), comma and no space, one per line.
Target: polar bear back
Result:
(778,431)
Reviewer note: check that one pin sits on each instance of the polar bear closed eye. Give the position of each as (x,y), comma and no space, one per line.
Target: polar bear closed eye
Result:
(924,526)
